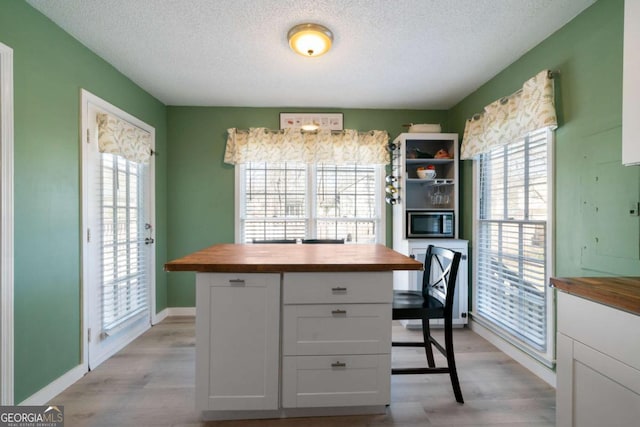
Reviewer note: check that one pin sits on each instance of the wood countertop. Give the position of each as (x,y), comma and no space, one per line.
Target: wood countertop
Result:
(618,292)
(280,258)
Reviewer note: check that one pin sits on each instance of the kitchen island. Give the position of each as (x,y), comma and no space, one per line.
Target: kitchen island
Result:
(293,330)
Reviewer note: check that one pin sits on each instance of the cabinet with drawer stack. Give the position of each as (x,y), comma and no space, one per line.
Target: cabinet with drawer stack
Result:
(336,339)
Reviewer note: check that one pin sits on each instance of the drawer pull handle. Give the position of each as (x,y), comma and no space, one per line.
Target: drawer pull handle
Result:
(338,311)
(338,289)
(338,365)
(237,282)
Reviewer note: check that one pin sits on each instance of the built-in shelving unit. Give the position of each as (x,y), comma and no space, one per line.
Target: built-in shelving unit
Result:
(440,193)
(411,151)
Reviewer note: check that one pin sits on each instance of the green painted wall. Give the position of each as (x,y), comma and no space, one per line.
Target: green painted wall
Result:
(594,235)
(194,188)
(201,187)
(50,68)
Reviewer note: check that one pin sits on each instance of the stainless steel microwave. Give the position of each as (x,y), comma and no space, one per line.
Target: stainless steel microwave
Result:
(428,224)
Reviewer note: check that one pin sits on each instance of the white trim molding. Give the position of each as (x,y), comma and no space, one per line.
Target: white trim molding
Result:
(174,311)
(6,225)
(57,386)
(536,367)
(159,317)
(181,311)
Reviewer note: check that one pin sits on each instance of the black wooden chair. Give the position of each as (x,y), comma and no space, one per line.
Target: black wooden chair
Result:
(322,240)
(274,241)
(434,301)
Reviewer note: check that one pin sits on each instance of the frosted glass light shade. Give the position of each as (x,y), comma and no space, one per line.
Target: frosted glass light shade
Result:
(310,39)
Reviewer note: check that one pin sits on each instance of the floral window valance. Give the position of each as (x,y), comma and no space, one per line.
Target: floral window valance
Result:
(116,136)
(293,145)
(511,118)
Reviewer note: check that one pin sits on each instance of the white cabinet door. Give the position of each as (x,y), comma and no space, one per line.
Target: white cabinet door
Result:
(594,389)
(237,341)
(598,369)
(631,85)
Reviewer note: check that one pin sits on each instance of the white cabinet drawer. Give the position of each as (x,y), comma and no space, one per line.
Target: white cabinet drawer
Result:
(319,288)
(614,332)
(316,381)
(336,329)
(237,280)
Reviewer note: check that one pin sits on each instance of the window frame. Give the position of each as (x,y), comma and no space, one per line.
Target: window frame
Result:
(239,190)
(547,357)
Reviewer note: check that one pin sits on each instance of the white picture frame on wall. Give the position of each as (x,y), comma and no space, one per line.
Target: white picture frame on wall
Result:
(330,121)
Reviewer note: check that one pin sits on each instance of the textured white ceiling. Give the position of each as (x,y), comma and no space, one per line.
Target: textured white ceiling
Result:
(386,53)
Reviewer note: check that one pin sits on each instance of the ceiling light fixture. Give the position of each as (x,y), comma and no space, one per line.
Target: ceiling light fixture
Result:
(310,39)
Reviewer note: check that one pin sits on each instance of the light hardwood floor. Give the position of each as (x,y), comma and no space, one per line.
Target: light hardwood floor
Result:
(151,383)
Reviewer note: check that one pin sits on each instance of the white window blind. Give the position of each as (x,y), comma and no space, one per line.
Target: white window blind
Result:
(512,258)
(346,203)
(275,204)
(297,201)
(123,264)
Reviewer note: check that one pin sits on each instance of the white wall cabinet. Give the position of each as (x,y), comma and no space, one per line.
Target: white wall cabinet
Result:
(598,368)
(237,335)
(631,84)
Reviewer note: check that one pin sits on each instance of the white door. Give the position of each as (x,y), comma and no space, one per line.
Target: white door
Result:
(6,225)
(118,236)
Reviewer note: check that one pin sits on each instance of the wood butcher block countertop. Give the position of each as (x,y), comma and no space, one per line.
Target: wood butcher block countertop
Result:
(280,258)
(617,292)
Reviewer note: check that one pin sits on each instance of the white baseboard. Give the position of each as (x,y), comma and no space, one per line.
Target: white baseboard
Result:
(55,387)
(181,311)
(119,340)
(541,371)
(173,311)
(60,384)
(159,317)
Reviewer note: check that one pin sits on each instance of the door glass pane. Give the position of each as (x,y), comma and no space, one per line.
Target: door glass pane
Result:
(124,292)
